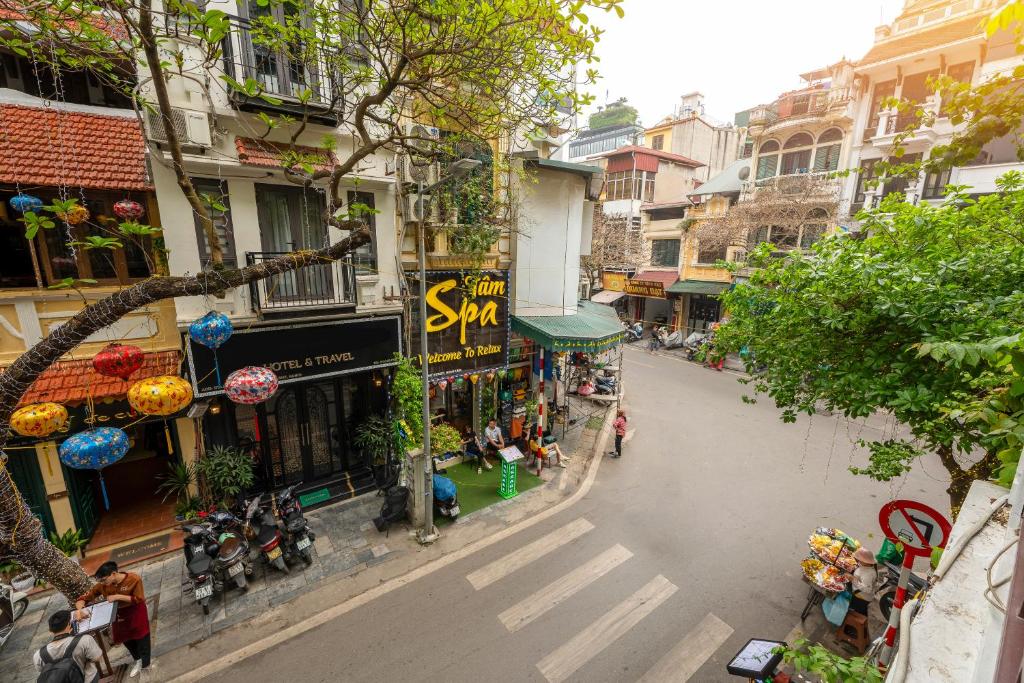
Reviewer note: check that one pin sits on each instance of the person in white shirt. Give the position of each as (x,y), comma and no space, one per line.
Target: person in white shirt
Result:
(865,578)
(495,441)
(86,653)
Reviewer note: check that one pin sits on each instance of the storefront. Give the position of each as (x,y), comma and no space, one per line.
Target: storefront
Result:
(649,300)
(333,377)
(467,342)
(613,292)
(699,306)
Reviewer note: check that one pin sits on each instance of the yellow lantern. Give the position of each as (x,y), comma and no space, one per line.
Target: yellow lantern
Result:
(39,419)
(474,378)
(75,215)
(163,395)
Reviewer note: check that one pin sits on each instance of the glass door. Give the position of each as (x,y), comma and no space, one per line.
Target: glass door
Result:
(284,437)
(291,219)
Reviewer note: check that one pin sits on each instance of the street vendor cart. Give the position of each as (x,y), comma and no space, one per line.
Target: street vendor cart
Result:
(829,566)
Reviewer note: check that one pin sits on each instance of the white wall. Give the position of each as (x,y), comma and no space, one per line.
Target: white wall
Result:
(547,255)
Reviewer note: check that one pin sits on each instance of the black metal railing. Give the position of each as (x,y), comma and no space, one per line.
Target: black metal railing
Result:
(290,72)
(329,284)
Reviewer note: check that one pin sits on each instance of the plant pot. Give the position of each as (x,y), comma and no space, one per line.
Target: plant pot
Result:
(23,582)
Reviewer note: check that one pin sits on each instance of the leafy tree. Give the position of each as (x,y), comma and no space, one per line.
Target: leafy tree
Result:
(817,659)
(618,113)
(492,68)
(853,324)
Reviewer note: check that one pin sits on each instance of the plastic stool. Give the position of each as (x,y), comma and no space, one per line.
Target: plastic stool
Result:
(854,630)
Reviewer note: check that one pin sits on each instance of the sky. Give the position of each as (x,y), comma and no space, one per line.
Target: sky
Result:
(738,53)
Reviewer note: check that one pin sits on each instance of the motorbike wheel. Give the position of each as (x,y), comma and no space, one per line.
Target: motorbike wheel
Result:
(307,557)
(280,565)
(242,583)
(885,601)
(206,605)
(19,608)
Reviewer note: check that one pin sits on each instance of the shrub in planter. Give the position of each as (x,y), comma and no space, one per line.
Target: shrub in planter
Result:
(444,439)
(225,472)
(69,543)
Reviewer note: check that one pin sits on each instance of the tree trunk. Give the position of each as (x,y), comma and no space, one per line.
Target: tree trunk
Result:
(960,480)
(20,531)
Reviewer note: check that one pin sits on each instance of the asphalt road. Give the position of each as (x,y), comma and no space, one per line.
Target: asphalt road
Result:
(682,550)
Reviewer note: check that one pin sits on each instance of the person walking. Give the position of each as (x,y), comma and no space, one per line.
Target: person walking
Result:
(620,431)
(57,660)
(131,627)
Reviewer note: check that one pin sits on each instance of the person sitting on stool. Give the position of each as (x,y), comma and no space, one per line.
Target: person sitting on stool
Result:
(865,578)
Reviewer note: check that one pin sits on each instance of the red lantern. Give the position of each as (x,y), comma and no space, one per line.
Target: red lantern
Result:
(128,210)
(118,360)
(465,376)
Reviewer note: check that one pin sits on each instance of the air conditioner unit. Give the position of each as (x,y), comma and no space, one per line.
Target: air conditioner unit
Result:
(192,127)
(411,208)
(736,255)
(420,168)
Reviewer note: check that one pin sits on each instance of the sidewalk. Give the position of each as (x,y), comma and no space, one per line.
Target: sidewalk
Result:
(347,545)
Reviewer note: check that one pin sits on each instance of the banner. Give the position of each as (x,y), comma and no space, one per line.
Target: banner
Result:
(467,321)
(614,282)
(299,352)
(650,288)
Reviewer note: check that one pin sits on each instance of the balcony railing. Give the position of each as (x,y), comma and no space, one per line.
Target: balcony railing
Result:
(332,284)
(290,74)
(807,184)
(813,103)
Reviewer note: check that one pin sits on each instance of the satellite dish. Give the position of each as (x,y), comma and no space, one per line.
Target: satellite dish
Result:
(744,173)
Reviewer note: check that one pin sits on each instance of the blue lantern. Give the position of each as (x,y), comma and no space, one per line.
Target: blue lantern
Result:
(212,330)
(23,203)
(94,449)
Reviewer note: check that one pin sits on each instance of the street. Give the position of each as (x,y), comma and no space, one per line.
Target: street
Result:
(683,549)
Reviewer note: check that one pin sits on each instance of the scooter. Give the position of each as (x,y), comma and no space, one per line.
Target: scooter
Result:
(12,605)
(674,340)
(297,536)
(693,343)
(232,560)
(200,552)
(605,385)
(634,332)
(446,502)
(887,593)
(261,527)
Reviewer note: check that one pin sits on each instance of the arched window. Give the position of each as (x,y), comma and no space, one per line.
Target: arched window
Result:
(830,135)
(798,160)
(826,156)
(767,160)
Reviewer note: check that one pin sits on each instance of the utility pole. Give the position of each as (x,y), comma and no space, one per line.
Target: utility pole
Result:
(458,169)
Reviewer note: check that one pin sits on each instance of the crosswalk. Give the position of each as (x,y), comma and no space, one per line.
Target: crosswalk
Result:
(677,665)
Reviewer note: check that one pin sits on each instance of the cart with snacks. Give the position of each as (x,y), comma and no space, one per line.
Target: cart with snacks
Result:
(829,565)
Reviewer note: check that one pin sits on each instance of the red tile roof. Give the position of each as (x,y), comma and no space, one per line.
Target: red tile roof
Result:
(667,156)
(271,154)
(665,277)
(51,147)
(910,43)
(74,381)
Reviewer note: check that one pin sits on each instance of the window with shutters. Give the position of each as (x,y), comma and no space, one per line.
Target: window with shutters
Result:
(826,159)
(935,184)
(866,174)
(711,255)
(796,156)
(361,206)
(658,142)
(665,253)
(900,183)
(767,160)
(214,195)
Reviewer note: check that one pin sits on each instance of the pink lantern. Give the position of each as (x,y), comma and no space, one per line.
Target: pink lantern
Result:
(128,210)
(250,385)
(443,383)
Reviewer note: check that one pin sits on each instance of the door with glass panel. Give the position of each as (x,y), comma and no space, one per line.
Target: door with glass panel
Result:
(291,219)
(303,435)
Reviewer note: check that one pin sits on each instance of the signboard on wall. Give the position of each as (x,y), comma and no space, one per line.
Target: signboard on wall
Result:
(651,288)
(467,321)
(298,352)
(615,282)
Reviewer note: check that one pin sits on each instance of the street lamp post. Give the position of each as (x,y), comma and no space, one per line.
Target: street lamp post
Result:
(456,170)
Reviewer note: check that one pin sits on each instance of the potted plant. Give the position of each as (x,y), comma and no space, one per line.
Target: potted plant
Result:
(177,481)
(187,508)
(374,437)
(444,439)
(70,543)
(225,472)
(21,580)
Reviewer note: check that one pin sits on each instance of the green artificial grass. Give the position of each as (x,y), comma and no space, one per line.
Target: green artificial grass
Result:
(477,491)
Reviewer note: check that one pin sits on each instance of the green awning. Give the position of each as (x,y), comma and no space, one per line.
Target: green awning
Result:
(594,328)
(697,287)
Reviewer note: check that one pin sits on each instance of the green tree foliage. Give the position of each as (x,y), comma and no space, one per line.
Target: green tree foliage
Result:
(830,667)
(843,326)
(617,113)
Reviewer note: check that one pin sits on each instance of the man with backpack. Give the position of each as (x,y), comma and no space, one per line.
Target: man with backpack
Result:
(67,658)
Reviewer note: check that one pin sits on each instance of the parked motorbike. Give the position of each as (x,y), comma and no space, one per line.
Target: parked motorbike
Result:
(605,385)
(634,332)
(297,536)
(887,593)
(674,340)
(200,555)
(261,527)
(232,560)
(446,500)
(693,343)
(12,605)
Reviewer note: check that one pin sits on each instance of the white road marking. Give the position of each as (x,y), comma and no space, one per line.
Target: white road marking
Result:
(518,616)
(589,642)
(207,670)
(684,660)
(517,559)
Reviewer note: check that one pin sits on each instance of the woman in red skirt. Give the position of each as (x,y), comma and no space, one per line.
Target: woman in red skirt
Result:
(131,626)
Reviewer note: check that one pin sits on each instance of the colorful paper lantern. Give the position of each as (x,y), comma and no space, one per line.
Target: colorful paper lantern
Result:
(163,395)
(118,360)
(39,419)
(212,330)
(465,376)
(251,385)
(443,383)
(474,378)
(74,215)
(94,449)
(128,210)
(23,203)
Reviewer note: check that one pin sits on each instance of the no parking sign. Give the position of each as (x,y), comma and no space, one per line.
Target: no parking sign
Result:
(918,527)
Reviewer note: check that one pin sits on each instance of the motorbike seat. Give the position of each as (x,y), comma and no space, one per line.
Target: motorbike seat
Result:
(200,564)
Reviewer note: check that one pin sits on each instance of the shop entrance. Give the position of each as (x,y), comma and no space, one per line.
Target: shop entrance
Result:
(703,311)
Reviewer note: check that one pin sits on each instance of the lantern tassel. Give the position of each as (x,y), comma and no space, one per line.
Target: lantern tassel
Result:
(103,489)
(216,367)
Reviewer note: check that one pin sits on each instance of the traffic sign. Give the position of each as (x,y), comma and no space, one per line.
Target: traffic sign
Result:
(918,527)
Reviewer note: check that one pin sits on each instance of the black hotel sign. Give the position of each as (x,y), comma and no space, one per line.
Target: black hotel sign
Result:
(298,352)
